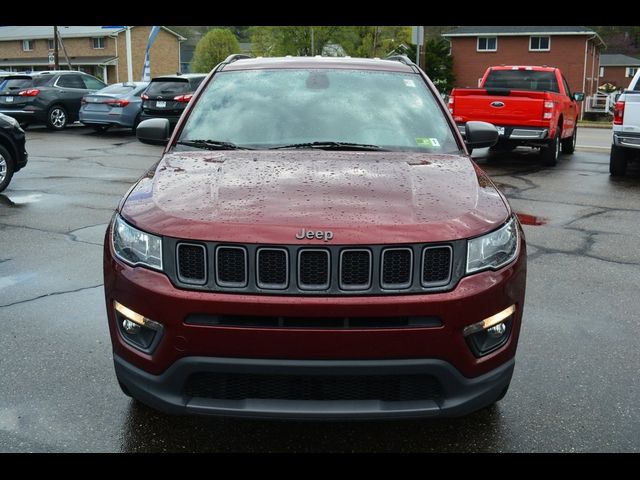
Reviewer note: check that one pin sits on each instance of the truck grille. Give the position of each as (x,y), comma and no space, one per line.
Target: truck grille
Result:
(241,386)
(310,270)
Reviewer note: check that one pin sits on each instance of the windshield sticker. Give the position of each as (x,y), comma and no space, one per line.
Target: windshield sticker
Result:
(427,142)
(409,83)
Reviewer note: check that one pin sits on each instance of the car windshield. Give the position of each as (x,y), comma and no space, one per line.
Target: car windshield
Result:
(522,80)
(324,107)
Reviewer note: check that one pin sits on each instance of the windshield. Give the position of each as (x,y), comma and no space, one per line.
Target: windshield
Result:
(522,80)
(275,108)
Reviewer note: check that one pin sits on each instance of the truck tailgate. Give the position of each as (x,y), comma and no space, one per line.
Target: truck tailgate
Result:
(631,112)
(508,107)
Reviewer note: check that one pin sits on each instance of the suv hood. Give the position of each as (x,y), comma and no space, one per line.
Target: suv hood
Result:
(362,197)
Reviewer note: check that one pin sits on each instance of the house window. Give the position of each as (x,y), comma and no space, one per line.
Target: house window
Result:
(50,44)
(539,44)
(630,71)
(487,44)
(601,72)
(28,45)
(97,42)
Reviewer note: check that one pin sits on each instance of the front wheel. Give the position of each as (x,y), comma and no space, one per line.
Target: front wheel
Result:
(6,168)
(569,144)
(618,161)
(57,118)
(549,154)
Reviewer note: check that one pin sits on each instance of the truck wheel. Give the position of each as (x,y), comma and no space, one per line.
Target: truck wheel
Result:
(569,144)
(618,161)
(6,168)
(549,154)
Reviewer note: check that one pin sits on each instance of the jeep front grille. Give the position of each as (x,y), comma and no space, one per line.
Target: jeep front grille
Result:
(314,270)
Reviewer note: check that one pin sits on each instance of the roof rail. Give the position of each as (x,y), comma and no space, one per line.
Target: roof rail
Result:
(400,58)
(236,56)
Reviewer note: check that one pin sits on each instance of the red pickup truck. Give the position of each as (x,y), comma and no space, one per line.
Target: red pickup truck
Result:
(530,106)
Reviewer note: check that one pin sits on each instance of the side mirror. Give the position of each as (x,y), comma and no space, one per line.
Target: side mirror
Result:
(480,134)
(154,131)
(578,96)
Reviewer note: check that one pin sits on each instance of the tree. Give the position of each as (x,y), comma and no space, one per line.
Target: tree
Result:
(293,40)
(214,47)
(439,64)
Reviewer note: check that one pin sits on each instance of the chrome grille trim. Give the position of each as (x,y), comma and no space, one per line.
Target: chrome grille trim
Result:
(424,252)
(272,286)
(396,286)
(355,287)
(189,280)
(222,283)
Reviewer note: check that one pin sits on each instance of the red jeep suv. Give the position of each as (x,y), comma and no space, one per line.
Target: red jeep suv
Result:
(315,243)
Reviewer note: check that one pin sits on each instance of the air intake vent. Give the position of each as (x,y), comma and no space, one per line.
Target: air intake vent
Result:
(436,266)
(355,269)
(313,269)
(231,266)
(192,263)
(396,268)
(272,268)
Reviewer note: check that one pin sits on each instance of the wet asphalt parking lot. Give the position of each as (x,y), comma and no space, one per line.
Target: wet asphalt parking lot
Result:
(576,385)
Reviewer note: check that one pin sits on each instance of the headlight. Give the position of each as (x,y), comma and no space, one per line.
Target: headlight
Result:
(493,250)
(136,247)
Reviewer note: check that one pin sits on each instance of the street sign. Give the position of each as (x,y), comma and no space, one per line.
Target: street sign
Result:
(52,59)
(417,35)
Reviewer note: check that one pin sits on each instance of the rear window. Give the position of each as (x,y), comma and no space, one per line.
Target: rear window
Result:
(522,80)
(168,87)
(118,89)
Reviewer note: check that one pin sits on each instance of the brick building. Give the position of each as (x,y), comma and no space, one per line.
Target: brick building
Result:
(617,69)
(575,50)
(101,52)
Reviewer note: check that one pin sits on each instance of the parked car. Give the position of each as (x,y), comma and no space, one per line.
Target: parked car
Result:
(315,242)
(530,106)
(118,105)
(168,96)
(50,97)
(13,154)
(625,146)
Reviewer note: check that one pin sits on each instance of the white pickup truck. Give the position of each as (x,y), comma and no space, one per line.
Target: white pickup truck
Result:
(626,128)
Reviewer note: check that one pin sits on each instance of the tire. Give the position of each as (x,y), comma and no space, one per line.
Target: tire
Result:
(57,118)
(135,124)
(549,154)
(7,167)
(618,159)
(569,144)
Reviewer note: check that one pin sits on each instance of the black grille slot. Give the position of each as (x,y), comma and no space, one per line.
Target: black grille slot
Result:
(237,386)
(436,265)
(272,268)
(192,264)
(396,267)
(355,269)
(231,266)
(264,321)
(313,269)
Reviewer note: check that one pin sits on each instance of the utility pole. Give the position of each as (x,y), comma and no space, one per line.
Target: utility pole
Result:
(312,46)
(56,58)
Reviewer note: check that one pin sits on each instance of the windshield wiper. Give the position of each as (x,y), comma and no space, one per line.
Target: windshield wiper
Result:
(331,146)
(211,145)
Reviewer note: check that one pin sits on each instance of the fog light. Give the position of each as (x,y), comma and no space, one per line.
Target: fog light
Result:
(491,333)
(497,330)
(130,327)
(137,330)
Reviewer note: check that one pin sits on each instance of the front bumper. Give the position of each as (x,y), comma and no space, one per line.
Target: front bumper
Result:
(460,395)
